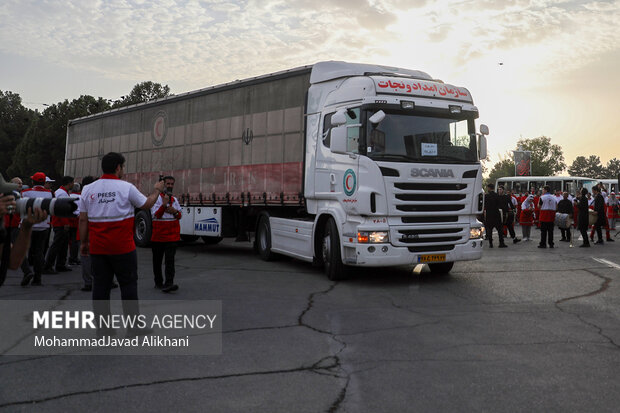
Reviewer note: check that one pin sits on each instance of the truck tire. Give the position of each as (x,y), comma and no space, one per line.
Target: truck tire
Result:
(263,239)
(189,238)
(330,249)
(441,268)
(143,228)
(211,240)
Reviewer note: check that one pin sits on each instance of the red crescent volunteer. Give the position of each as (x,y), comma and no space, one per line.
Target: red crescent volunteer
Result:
(106,229)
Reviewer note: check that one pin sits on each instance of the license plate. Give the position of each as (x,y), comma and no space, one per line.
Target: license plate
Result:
(423,259)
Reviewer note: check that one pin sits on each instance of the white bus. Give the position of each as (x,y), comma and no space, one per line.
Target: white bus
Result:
(610,184)
(527,184)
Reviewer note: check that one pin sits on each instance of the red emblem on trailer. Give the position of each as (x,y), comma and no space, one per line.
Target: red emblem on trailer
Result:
(159,128)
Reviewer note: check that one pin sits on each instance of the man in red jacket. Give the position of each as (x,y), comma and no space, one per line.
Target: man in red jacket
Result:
(57,252)
(166,214)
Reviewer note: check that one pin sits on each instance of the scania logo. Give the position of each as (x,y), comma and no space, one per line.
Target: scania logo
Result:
(410,236)
(432,172)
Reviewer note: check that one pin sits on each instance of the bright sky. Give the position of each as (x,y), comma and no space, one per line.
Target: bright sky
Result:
(538,67)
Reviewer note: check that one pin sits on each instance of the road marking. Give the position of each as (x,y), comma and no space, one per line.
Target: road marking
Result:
(607,262)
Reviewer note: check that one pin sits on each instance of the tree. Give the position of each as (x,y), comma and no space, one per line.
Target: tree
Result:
(143,92)
(14,122)
(43,147)
(505,167)
(589,167)
(547,159)
(612,170)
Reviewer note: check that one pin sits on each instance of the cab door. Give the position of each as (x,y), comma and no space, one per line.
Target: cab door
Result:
(336,174)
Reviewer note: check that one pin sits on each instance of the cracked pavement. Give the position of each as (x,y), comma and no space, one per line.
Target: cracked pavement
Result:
(521,329)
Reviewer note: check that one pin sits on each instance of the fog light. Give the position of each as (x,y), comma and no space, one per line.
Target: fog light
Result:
(371,249)
(384,248)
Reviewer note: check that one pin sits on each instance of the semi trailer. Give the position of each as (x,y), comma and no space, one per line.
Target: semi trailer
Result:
(336,163)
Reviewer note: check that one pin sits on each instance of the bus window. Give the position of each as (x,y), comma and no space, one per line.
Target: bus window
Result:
(569,186)
(555,185)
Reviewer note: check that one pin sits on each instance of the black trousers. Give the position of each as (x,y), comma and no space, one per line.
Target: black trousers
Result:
(565,233)
(163,250)
(35,253)
(546,233)
(510,225)
(584,235)
(488,227)
(58,250)
(125,268)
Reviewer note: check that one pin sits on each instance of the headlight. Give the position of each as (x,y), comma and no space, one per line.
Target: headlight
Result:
(476,233)
(375,237)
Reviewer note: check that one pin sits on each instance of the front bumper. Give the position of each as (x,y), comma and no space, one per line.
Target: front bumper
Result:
(387,255)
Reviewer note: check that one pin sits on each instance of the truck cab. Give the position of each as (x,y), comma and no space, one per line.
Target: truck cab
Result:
(394,167)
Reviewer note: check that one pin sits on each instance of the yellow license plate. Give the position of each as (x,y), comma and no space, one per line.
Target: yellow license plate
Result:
(423,259)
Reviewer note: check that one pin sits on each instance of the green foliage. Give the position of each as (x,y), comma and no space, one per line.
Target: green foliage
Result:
(612,170)
(591,167)
(505,167)
(14,122)
(32,141)
(143,92)
(43,148)
(547,159)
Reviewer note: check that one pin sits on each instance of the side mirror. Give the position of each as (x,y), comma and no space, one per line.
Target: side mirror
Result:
(339,118)
(484,129)
(377,118)
(483,146)
(338,142)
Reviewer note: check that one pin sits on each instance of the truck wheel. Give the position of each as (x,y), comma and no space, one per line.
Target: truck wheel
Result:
(332,260)
(442,268)
(143,229)
(263,239)
(211,240)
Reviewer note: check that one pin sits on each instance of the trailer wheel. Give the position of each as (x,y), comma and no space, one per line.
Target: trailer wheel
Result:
(332,260)
(263,239)
(441,268)
(143,229)
(189,238)
(211,240)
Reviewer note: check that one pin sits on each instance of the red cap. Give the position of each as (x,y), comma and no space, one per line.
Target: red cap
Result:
(38,177)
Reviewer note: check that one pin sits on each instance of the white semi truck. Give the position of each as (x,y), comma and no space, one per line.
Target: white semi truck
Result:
(336,163)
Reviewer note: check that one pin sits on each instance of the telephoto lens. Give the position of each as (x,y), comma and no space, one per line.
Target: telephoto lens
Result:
(59,207)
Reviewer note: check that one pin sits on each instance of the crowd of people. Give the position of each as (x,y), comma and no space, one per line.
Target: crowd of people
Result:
(106,207)
(588,211)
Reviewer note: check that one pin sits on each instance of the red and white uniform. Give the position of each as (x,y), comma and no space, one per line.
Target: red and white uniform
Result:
(38,191)
(56,221)
(526,218)
(110,203)
(548,206)
(611,203)
(166,227)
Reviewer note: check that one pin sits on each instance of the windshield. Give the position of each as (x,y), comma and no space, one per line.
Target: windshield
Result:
(415,138)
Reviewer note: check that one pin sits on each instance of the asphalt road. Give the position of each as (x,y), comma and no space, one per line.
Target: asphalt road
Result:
(523,329)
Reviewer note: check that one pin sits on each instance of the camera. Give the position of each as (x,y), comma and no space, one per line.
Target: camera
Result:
(60,207)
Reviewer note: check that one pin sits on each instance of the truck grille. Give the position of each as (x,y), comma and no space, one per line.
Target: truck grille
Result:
(420,204)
